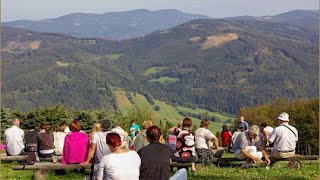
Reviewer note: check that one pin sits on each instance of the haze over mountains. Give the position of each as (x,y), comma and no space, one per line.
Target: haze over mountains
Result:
(140,22)
(303,18)
(216,64)
(114,25)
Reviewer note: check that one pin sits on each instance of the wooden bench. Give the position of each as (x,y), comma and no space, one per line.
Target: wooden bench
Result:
(43,167)
(294,162)
(49,166)
(23,157)
(179,165)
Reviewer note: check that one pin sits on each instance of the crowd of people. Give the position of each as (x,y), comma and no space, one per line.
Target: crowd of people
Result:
(145,154)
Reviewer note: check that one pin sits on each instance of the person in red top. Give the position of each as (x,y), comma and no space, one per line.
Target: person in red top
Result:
(226,136)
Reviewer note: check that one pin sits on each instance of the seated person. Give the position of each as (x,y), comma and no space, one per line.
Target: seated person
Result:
(205,154)
(141,138)
(98,148)
(45,141)
(14,139)
(96,128)
(185,149)
(120,164)
(31,138)
(155,157)
(118,129)
(246,144)
(235,135)
(284,138)
(266,131)
(59,138)
(226,136)
(76,145)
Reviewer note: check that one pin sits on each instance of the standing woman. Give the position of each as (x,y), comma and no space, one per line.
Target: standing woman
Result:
(45,141)
(76,145)
(120,164)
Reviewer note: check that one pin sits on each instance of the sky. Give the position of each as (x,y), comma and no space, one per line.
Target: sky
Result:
(45,9)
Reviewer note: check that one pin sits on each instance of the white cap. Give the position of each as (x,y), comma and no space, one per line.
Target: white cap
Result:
(283,117)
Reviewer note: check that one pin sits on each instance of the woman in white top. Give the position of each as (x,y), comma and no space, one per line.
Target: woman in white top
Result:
(59,138)
(120,164)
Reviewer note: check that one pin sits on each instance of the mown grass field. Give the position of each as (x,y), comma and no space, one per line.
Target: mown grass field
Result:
(308,170)
(167,112)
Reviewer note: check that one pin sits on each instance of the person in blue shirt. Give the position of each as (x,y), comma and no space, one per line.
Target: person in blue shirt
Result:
(243,123)
(133,129)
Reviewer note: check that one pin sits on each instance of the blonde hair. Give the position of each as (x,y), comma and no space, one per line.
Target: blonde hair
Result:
(146,124)
(96,128)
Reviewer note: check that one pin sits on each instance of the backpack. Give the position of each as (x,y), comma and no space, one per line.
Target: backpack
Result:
(30,158)
(172,141)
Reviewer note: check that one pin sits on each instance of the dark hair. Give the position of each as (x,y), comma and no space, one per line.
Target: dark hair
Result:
(75,126)
(153,133)
(62,127)
(225,127)
(113,139)
(133,121)
(263,125)
(186,122)
(43,126)
(31,125)
(205,123)
(105,125)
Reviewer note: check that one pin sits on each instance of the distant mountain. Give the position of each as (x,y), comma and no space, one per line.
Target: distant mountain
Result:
(219,65)
(114,25)
(303,18)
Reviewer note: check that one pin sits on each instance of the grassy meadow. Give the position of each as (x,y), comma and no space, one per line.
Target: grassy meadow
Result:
(166,112)
(308,170)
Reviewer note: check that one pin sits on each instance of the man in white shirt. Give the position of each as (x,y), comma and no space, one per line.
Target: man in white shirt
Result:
(284,138)
(14,138)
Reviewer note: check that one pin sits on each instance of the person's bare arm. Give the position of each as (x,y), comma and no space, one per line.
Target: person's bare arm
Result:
(90,154)
(265,155)
(171,130)
(215,142)
(266,137)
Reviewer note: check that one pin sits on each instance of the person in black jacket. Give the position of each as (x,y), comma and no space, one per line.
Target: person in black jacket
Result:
(31,138)
(155,157)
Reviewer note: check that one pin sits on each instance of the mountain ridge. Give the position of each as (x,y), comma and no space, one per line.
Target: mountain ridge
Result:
(254,62)
(113,25)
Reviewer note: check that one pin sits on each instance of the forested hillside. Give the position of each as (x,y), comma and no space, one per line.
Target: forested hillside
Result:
(219,65)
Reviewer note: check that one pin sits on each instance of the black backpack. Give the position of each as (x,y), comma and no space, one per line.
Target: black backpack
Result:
(30,158)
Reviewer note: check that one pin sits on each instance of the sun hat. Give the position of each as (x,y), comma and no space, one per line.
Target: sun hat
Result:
(283,116)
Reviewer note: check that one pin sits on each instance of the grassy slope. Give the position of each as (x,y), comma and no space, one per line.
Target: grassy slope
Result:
(167,112)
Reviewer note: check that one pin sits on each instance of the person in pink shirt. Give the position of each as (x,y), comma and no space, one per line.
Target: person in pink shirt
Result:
(76,145)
